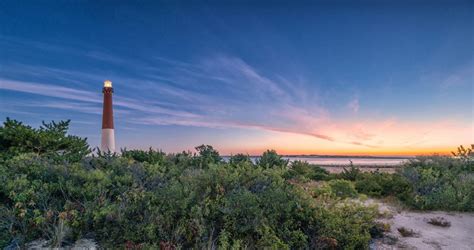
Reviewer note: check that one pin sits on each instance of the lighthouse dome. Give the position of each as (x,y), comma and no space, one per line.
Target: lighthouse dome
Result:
(107,84)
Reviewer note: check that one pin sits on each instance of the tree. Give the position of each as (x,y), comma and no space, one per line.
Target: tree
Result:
(271,159)
(240,159)
(151,156)
(50,140)
(206,155)
(464,154)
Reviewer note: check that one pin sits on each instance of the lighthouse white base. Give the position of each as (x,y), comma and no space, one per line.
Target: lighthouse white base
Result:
(108,140)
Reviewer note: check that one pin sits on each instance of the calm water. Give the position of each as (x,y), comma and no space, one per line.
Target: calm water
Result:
(345,161)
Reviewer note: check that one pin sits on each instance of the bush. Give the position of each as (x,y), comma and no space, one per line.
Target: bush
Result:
(301,168)
(342,188)
(306,171)
(349,224)
(270,159)
(151,156)
(369,186)
(378,184)
(238,159)
(206,155)
(128,202)
(149,199)
(352,173)
(50,140)
(319,173)
(426,183)
(440,183)
(378,230)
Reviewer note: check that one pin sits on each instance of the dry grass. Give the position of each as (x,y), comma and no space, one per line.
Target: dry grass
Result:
(327,243)
(379,229)
(406,232)
(439,221)
(385,214)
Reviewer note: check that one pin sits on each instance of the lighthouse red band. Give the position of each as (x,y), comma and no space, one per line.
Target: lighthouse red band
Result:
(108,136)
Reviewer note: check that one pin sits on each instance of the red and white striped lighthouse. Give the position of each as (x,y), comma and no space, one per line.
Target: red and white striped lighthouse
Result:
(108,137)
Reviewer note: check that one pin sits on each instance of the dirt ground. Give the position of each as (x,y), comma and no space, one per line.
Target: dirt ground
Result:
(460,235)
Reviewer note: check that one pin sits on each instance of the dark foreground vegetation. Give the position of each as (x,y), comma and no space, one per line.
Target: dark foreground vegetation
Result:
(54,188)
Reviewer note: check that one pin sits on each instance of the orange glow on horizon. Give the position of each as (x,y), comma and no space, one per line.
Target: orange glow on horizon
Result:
(371,138)
(401,152)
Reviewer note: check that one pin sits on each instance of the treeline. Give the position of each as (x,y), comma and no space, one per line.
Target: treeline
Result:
(53,188)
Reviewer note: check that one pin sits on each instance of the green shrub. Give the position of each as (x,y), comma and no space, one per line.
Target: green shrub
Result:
(237,159)
(305,171)
(378,230)
(349,224)
(440,183)
(378,184)
(319,173)
(152,200)
(369,186)
(206,155)
(270,159)
(151,156)
(342,188)
(7,219)
(301,168)
(123,201)
(427,183)
(352,173)
(50,140)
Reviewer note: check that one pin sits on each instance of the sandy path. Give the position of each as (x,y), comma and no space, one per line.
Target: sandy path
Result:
(460,235)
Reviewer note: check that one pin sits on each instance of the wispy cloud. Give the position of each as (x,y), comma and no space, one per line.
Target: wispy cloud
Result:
(64,76)
(353,105)
(49,90)
(81,95)
(446,79)
(216,92)
(459,78)
(237,67)
(225,124)
(259,102)
(252,93)
(70,106)
(78,50)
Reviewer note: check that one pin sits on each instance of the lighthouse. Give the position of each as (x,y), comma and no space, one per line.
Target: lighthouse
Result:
(108,137)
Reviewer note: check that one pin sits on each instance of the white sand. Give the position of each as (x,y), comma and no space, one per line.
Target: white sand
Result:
(460,235)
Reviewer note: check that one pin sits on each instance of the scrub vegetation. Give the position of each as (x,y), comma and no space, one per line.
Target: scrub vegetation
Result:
(54,188)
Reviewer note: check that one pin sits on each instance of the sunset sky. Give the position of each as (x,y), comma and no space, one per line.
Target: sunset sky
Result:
(332,77)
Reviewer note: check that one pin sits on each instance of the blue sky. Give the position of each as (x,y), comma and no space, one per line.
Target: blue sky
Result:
(342,77)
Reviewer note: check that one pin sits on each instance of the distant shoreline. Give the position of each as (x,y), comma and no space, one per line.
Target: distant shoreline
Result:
(338,156)
(341,162)
(364,168)
(358,166)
